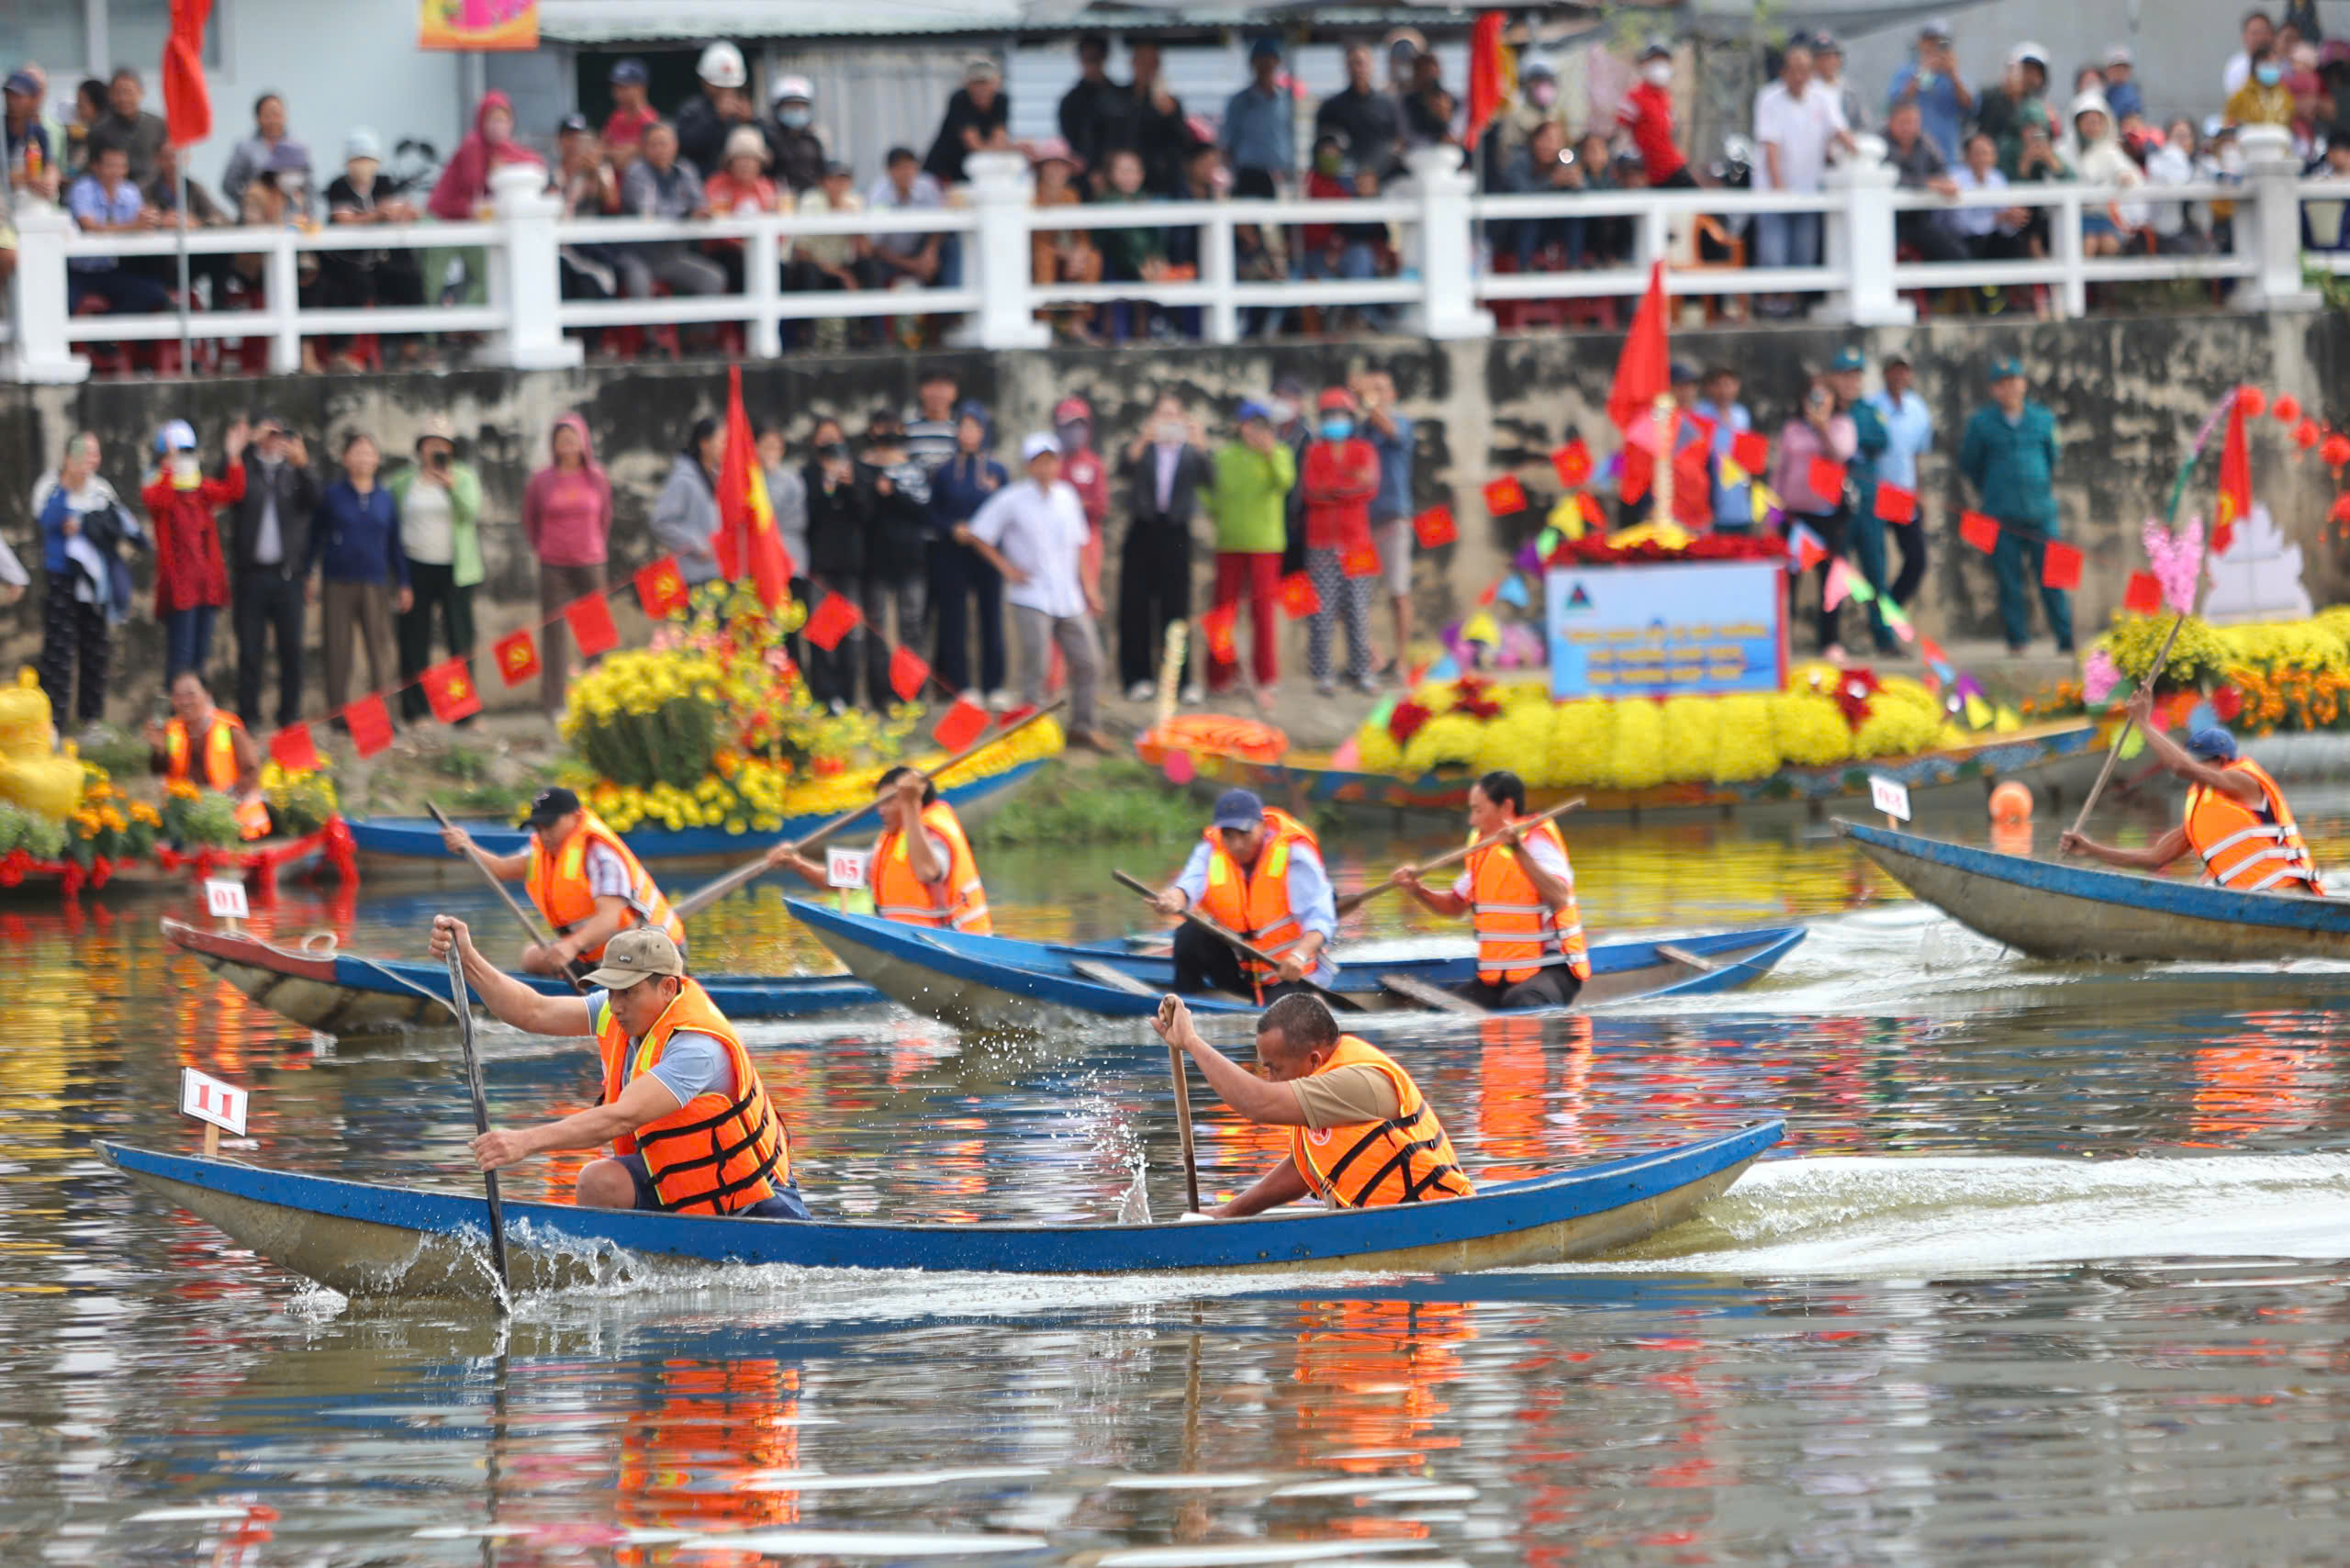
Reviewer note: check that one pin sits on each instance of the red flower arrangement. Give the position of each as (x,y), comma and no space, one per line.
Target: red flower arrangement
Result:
(1470,697)
(1405,721)
(1594,551)
(1853,693)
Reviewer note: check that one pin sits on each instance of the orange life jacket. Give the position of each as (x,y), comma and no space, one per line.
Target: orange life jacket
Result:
(219,764)
(1406,1160)
(1516,932)
(2249,850)
(712,1155)
(1255,904)
(898,894)
(558,884)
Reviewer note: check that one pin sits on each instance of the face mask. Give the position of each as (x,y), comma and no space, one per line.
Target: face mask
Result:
(1281,411)
(1073,435)
(1658,73)
(796,119)
(1336,429)
(1541,94)
(186,475)
(2271,74)
(1329,162)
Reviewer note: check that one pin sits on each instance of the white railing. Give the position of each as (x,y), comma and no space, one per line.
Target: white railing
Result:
(1438,220)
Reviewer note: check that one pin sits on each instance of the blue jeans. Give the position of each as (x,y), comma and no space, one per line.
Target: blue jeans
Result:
(126,293)
(187,640)
(1356,259)
(2016,553)
(1786,239)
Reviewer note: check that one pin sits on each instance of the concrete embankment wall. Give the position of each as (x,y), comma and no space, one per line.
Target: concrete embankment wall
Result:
(2128,394)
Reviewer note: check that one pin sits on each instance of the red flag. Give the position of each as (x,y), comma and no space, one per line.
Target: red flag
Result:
(590,620)
(292,749)
(1826,477)
(960,725)
(1492,589)
(1592,514)
(517,657)
(835,618)
(2235,481)
(1573,463)
(449,687)
(748,545)
(1643,371)
(661,588)
(1009,717)
(1490,70)
(1435,527)
(2144,594)
(370,723)
(1216,626)
(1750,450)
(1362,560)
(1810,549)
(1505,496)
(2060,566)
(1298,595)
(908,674)
(1981,531)
(1895,504)
(188,103)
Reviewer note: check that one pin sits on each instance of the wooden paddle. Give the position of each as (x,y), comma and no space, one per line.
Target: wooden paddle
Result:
(530,921)
(2113,753)
(1175,1067)
(481,1119)
(1354,902)
(1240,944)
(750,871)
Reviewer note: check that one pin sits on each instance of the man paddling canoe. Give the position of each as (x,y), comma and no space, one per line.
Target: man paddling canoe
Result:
(2236,818)
(1520,896)
(584,879)
(1360,1133)
(929,878)
(1257,872)
(691,1127)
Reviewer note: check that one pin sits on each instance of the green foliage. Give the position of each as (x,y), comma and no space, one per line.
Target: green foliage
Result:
(208,821)
(463,763)
(124,757)
(672,744)
(15,823)
(45,838)
(1120,802)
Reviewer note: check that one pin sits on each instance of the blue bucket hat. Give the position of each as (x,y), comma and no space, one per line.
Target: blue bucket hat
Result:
(1848,358)
(2003,368)
(1238,809)
(2212,743)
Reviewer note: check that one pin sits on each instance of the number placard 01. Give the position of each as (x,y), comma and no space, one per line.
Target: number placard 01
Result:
(1889,796)
(224,897)
(209,1100)
(844,868)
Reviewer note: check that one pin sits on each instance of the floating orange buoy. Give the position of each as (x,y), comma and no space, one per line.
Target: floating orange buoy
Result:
(2012,802)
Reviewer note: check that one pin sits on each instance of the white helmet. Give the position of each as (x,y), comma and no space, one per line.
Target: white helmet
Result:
(793,87)
(721,65)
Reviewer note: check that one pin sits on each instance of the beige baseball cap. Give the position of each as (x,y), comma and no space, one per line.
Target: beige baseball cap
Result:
(635,956)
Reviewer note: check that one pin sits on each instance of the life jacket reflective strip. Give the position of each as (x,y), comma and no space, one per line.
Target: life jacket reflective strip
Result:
(2247,850)
(1255,904)
(1517,933)
(1407,1159)
(220,752)
(558,884)
(712,1155)
(959,901)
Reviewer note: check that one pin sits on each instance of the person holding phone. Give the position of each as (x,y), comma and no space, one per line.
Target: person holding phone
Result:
(439,509)
(1817,432)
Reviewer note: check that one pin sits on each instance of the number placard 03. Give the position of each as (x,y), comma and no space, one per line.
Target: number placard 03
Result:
(1889,796)
(844,868)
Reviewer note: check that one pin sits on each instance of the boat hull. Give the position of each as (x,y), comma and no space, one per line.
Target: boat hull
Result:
(412,844)
(996,985)
(2067,911)
(370,1240)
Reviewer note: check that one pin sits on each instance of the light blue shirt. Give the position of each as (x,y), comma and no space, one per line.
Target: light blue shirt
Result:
(1938,112)
(1909,431)
(1309,896)
(1733,504)
(691,1063)
(1394,496)
(1258,130)
(88,202)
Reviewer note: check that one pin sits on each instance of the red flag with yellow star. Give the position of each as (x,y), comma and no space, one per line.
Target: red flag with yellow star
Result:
(661,588)
(449,687)
(517,657)
(747,544)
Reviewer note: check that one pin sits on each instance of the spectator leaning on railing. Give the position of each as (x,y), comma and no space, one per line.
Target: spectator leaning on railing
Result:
(663,184)
(1797,121)
(1062,255)
(927,260)
(1931,81)
(978,117)
(800,153)
(1919,167)
(252,154)
(1646,115)
(127,126)
(32,157)
(832,261)
(741,188)
(104,201)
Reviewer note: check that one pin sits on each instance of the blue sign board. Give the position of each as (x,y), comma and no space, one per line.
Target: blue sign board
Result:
(1687,629)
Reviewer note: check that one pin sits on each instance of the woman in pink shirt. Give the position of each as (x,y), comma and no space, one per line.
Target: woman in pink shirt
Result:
(567,517)
(1818,432)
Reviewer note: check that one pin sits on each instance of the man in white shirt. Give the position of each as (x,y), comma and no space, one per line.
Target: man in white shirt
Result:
(1797,120)
(1032,533)
(2259,33)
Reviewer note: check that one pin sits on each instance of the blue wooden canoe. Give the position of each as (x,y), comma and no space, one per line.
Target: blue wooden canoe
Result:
(2068,910)
(998,985)
(367,1239)
(343,993)
(400,843)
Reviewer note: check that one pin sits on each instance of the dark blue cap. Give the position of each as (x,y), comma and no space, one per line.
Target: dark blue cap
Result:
(2212,743)
(628,70)
(1238,809)
(1265,49)
(1683,371)
(1250,409)
(2003,368)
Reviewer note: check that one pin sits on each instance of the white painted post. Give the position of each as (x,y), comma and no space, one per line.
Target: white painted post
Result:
(1448,308)
(282,288)
(2273,235)
(1215,271)
(1860,240)
(763,283)
(42,351)
(997,261)
(526,277)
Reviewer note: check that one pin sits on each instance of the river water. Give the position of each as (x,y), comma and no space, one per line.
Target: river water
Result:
(2048,1269)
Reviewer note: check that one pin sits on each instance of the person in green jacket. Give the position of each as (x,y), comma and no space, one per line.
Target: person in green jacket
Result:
(1249,502)
(440,510)
(2010,457)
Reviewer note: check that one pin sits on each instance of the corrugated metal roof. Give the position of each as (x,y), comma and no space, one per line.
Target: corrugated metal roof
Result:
(631,21)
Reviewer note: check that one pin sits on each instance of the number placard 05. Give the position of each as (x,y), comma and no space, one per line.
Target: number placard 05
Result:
(844,868)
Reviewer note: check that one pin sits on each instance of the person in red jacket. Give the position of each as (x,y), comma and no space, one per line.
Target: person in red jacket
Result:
(191,578)
(1339,478)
